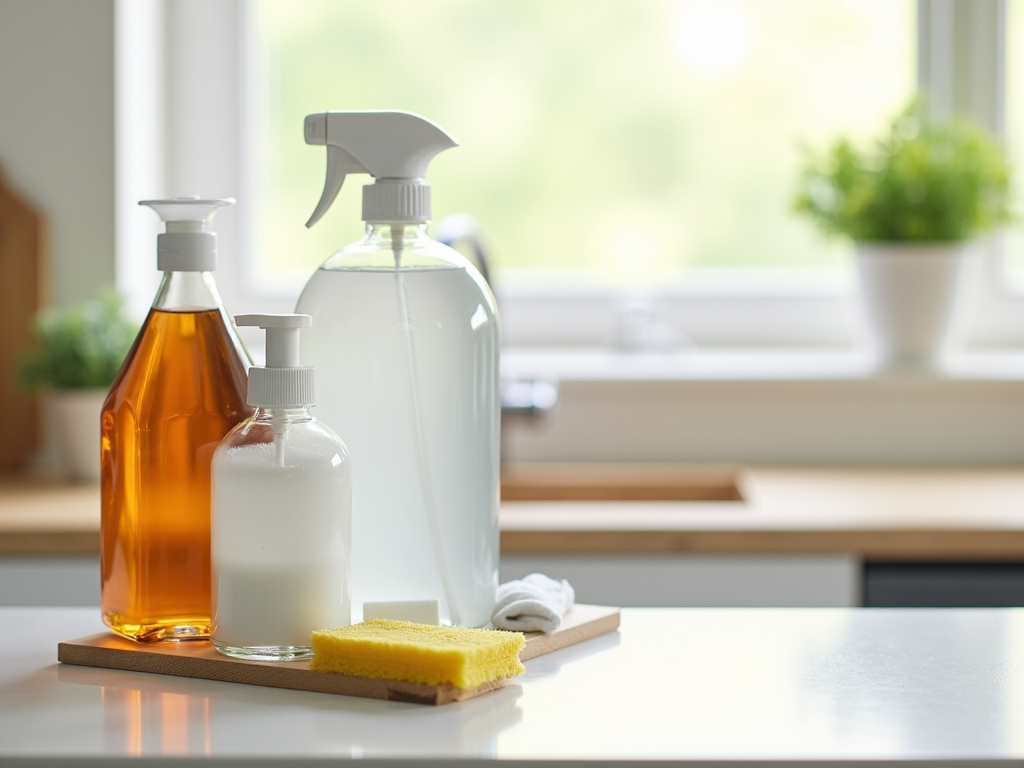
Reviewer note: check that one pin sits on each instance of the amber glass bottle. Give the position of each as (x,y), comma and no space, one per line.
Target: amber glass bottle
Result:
(181,388)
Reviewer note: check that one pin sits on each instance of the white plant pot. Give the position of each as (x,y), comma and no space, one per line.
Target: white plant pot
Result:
(77,414)
(915,300)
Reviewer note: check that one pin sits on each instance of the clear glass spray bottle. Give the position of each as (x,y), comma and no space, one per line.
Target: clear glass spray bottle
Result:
(406,344)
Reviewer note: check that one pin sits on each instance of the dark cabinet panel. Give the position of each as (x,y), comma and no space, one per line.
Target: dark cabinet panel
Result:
(943,585)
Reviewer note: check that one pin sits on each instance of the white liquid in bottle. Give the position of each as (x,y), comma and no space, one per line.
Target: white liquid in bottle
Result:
(281,512)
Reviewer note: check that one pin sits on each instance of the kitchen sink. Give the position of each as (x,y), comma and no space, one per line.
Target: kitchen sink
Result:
(618,482)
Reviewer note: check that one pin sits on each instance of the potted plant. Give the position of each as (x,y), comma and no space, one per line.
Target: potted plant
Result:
(913,202)
(78,352)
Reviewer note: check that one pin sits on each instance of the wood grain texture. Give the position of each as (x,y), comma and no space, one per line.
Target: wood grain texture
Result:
(23,283)
(47,515)
(582,622)
(199,659)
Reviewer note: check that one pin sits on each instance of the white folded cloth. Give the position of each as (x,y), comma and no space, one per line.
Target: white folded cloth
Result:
(535,603)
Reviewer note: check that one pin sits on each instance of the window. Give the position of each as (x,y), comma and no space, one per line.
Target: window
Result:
(652,144)
(698,228)
(1014,116)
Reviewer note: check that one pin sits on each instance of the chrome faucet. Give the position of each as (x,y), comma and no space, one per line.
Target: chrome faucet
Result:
(521,399)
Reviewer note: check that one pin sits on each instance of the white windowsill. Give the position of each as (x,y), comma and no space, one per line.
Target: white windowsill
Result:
(749,365)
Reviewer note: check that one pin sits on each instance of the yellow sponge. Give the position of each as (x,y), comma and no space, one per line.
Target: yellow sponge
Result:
(418,653)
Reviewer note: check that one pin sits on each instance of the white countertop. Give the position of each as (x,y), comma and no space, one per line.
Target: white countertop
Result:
(672,685)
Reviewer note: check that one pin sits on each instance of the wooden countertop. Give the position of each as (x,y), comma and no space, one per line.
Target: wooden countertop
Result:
(872,513)
(48,516)
(885,514)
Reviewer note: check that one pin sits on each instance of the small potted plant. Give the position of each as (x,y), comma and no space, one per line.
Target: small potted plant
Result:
(78,353)
(913,202)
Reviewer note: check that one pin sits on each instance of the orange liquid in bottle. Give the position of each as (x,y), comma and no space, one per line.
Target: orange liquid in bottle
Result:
(180,390)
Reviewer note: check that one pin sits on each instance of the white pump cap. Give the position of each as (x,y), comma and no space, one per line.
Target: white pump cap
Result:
(188,245)
(282,382)
(393,147)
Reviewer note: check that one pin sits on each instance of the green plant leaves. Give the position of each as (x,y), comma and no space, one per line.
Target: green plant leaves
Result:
(79,347)
(920,182)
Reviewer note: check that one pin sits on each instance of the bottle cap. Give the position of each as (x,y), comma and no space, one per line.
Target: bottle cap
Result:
(282,382)
(188,245)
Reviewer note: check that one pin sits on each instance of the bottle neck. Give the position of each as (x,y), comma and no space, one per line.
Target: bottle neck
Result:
(388,231)
(279,415)
(187,292)
(396,237)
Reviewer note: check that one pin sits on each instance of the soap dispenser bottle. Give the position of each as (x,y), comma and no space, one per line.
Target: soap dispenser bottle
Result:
(178,392)
(405,341)
(281,512)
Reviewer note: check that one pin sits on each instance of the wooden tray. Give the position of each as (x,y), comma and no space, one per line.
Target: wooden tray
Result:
(200,659)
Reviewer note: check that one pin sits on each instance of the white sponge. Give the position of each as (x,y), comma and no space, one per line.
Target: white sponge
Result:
(416,611)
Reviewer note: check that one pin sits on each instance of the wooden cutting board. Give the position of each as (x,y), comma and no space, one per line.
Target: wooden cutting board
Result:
(23,245)
(199,659)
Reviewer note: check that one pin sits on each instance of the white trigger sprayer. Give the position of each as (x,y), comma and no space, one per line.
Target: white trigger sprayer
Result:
(434,327)
(393,147)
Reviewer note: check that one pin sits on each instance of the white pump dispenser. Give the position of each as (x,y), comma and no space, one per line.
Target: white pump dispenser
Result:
(281,512)
(405,341)
(282,382)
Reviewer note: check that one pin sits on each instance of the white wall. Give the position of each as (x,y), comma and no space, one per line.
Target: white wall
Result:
(57,131)
(954,420)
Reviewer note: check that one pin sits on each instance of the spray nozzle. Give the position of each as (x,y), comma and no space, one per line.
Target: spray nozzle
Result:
(394,147)
(188,244)
(282,382)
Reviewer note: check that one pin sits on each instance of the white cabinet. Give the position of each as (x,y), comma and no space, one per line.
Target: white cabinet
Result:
(57,580)
(661,580)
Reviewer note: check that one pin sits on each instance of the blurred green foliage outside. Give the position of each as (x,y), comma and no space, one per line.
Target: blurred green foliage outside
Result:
(603,142)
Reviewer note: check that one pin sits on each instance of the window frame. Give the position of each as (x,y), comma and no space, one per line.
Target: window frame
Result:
(204,54)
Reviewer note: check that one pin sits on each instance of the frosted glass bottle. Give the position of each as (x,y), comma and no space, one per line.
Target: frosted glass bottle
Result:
(281,529)
(405,342)
(181,388)
(281,512)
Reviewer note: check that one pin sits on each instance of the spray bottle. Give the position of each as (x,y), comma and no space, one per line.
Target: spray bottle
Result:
(180,389)
(281,512)
(406,343)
